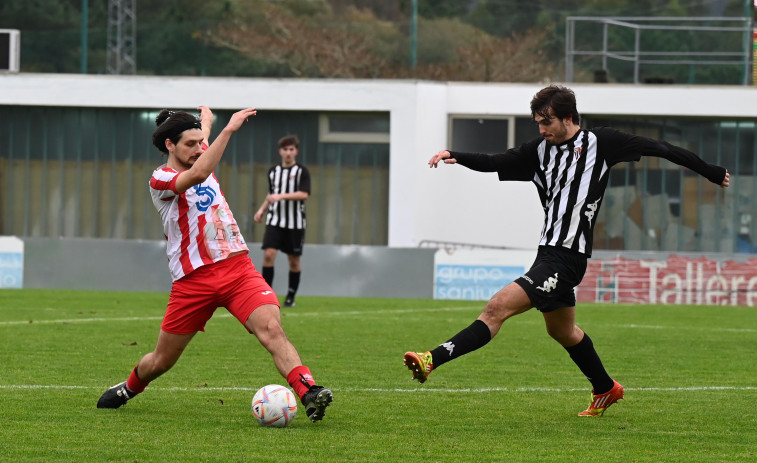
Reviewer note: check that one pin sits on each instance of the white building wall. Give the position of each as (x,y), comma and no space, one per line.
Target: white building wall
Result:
(449,203)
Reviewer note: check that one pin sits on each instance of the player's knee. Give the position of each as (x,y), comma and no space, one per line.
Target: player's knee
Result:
(562,334)
(270,331)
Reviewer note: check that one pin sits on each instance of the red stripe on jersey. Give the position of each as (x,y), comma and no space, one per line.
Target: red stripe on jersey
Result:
(202,249)
(186,263)
(162,184)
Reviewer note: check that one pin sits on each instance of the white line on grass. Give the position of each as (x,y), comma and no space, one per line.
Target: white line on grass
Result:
(336,314)
(663,327)
(227,315)
(81,320)
(392,390)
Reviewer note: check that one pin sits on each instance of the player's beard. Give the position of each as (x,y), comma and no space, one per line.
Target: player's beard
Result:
(560,135)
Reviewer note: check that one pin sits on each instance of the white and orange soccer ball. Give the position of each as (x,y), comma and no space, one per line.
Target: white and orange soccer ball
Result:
(274,406)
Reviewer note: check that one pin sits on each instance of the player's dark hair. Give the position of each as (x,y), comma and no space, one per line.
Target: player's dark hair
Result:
(561,100)
(171,124)
(289,140)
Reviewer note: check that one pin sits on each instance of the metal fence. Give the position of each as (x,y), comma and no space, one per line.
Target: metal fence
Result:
(658,50)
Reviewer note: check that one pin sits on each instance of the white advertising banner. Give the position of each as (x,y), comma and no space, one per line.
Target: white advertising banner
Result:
(11,262)
(477,274)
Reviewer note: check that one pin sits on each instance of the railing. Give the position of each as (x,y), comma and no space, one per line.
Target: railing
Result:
(699,27)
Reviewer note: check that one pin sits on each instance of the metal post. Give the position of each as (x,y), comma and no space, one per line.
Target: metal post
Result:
(748,39)
(414,35)
(636,57)
(569,50)
(605,33)
(84,30)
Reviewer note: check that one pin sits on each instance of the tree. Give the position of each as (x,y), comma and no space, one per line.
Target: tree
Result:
(321,44)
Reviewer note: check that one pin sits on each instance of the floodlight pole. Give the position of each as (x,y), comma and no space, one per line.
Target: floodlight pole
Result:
(414,35)
(748,39)
(84,30)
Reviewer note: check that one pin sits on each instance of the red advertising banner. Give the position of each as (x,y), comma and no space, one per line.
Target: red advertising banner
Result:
(677,280)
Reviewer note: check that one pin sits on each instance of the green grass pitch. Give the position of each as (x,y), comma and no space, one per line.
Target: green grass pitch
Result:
(690,376)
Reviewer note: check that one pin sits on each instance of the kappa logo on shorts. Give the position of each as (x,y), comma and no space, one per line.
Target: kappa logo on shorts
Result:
(549,284)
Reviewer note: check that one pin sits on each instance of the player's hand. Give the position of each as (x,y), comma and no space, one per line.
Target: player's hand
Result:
(206,115)
(258,217)
(273,198)
(726,181)
(239,118)
(441,155)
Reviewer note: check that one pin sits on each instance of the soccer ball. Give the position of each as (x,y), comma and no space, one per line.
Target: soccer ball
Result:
(274,406)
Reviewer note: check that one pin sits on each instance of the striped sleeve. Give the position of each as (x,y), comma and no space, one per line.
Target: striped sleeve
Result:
(163,181)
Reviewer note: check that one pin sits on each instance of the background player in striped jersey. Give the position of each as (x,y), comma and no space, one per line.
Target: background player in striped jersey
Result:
(284,206)
(569,167)
(208,260)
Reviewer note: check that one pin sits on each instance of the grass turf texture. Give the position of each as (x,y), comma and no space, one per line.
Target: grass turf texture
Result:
(689,374)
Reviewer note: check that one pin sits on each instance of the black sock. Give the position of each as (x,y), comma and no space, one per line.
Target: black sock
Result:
(268,275)
(471,338)
(587,359)
(294,282)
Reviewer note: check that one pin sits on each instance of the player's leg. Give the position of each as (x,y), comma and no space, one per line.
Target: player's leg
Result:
(294,279)
(509,301)
(190,305)
(167,352)
(561,326)
(271,244)
(265,323)
(269,259)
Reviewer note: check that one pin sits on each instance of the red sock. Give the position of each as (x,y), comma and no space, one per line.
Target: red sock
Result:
(300,379)
(134,384)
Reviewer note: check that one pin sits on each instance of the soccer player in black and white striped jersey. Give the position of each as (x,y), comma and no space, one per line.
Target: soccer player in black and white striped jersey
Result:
(569,167)
(284,206)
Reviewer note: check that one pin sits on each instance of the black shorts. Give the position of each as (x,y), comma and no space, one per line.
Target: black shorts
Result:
(288,241)
(550,282)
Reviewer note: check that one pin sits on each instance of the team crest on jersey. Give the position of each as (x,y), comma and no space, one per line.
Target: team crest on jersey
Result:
(207,195)
(577,152)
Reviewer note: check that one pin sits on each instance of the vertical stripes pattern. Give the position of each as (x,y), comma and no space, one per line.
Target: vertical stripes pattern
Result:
(286,213)
(570,181)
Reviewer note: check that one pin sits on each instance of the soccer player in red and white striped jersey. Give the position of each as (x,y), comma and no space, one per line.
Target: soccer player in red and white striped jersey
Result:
(207,256)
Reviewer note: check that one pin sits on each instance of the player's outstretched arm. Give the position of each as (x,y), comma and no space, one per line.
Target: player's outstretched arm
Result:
(206,164)
(206,119)
(260,213)
(727,180)
(441,156)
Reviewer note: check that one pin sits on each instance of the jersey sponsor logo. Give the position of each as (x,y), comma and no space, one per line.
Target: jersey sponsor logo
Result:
(592,209)
(266,293)
(449,346)
(525,277)
(549,284)
(207,195)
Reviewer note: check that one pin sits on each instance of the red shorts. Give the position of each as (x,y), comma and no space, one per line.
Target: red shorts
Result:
(232,283)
